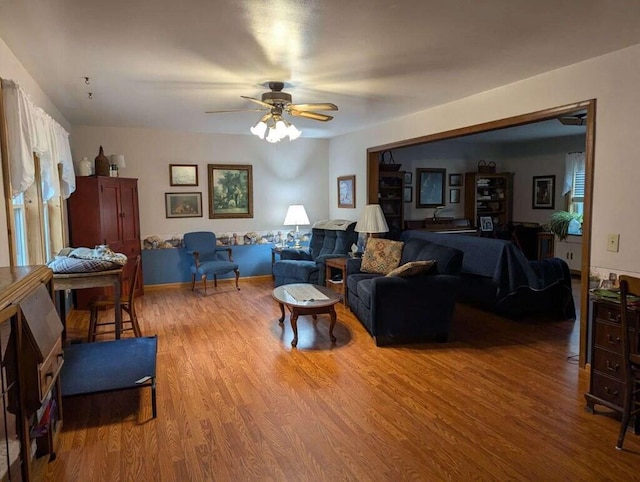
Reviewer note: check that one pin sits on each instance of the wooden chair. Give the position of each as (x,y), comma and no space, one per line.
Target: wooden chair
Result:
(630,353)
(127,304)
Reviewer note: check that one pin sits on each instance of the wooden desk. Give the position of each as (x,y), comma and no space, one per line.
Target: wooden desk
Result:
(94,279)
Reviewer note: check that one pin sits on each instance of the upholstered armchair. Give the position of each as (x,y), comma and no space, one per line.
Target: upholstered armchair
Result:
(329,239)
(207,258)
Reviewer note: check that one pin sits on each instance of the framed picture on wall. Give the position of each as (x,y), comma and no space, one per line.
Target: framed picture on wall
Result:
(183,174)
(486,224)
(230,191)
(408,178)
(347,191)
(183,204)
(454,196)
(430,187)
(544,192)
(455,180)
(408,194)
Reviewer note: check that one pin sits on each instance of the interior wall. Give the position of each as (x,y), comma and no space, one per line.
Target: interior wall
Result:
(283,174)
(11,68)
(612,79)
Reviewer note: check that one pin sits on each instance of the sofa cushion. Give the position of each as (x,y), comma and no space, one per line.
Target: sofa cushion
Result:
(412,268)
(381,255)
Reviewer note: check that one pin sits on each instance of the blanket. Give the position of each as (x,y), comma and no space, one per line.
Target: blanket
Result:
(83,260)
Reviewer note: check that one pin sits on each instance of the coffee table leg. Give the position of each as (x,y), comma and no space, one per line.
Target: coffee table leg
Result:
(281,312)
(294,327)
(332,314)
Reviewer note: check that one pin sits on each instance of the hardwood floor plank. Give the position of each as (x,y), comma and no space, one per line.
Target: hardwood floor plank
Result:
(502,400)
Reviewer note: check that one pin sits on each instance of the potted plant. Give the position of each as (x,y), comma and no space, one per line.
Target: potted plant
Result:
(560,221)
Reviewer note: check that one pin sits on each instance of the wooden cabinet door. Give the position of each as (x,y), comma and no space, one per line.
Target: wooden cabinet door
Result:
(110,213)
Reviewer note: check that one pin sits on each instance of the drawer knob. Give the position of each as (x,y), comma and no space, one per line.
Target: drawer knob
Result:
(614,317)
(611,393)
(612,368)
(48,375)
(612,340)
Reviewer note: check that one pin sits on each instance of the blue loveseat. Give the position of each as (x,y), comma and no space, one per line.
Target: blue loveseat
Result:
(397,309)
(497,276)
(329,239)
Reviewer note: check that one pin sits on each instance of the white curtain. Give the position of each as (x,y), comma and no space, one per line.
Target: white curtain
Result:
(573,161)
(30,130)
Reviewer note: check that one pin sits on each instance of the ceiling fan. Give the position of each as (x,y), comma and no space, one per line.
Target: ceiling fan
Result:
(574,120)
(276,103)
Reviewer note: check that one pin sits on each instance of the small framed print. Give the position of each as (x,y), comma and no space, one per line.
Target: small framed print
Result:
(544,192)
(408,194)
(183,204)
(183,174)
(454,196)
(486,224)
(347,191)
(455,180)
(408,178)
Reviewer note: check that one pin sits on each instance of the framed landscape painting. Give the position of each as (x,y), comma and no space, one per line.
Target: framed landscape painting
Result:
(183,204)
(230,191)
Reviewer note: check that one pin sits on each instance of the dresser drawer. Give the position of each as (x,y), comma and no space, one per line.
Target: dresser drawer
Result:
(608,335)
(608,362)
(606,312)
(607,389)
(50,369)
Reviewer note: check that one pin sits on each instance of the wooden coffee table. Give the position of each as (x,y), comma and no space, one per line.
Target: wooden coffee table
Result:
(309,307)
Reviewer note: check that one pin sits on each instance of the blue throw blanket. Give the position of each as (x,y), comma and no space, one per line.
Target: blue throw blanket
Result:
(500,260)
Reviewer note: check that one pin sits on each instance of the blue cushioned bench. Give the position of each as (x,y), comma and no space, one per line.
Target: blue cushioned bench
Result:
(109,366)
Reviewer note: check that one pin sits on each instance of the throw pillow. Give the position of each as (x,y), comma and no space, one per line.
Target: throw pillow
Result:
(412,268)
(381,255)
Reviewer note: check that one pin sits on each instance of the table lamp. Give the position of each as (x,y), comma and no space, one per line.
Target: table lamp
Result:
(372,221)
(296,216)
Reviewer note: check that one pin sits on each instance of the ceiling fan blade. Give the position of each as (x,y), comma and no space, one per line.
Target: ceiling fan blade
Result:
(310,115)
(573,121)
(233,110)
(322,106)
(264,104)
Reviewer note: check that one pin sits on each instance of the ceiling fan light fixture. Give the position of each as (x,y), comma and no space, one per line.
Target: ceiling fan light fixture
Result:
(259,129)
(294,133)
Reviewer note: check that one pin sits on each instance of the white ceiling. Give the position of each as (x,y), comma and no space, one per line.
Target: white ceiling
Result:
(161,63)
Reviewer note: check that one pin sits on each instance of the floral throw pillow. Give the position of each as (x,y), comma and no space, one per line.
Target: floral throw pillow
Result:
(381,255)
(412,268)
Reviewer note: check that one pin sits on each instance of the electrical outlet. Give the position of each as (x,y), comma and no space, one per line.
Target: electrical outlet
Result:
(613,241)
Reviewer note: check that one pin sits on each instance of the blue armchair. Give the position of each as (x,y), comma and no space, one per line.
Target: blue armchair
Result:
(206,258)
(329,239)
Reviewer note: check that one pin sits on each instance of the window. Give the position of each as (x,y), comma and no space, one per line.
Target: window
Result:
(576,203)
(38,225)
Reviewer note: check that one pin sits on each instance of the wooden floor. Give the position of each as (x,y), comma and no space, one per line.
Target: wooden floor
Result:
(503,400)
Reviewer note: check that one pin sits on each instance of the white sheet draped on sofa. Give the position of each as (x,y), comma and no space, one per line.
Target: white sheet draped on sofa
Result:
(31,130)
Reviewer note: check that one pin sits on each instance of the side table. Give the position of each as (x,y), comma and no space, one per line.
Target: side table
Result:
(276,250)
(336,276)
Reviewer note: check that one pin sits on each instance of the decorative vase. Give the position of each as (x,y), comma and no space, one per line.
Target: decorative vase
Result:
(102,164)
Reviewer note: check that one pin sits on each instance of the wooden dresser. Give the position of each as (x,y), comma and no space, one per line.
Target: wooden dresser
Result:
(32,358)
(606,386)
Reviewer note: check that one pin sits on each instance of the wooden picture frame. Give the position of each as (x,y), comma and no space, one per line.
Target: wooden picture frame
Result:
(408,178)
(544,192)
(455,180)
(230,191)
(430,187)
(454,196)
(183,204)
(183,174)
(347,191)
(407,195)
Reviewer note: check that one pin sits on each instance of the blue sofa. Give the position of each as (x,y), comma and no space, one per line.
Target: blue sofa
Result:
(329,239)
(417,308)
(497,276)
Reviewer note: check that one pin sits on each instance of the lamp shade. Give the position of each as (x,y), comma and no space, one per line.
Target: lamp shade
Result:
(296,215)
(118,160)
(372,220)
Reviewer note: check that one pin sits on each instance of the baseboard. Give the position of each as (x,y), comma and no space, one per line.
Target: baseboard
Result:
(187,285)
